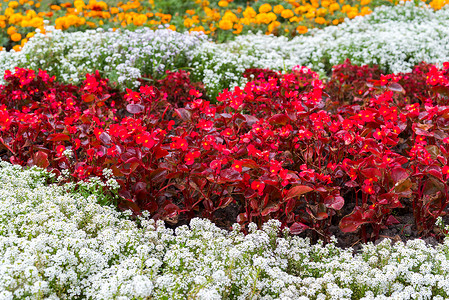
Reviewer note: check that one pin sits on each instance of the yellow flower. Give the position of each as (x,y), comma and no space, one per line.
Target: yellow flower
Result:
(223,3)
(346,8)
(273,26)
(172,27)
(321,12)
(278,9)
(365,2)
(198,28)
(310,15)
(335,22)
(325,3)
(287,14)
(11,30)
(139,20)
(229,15)
(16,37)
(225,24)
(249,13)
(188,23)
(365,11)
(333,7)
(264,8)
(79,4)
(114,10)
(190,12)
(302,29)
(352,14)
(13,4)
(238,28)
(320,20)
(55,7)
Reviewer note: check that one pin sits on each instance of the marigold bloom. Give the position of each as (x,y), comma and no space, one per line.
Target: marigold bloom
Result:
(225,25)
(302,29)
(264,8)
(287,14)
(278,9)
(249,13)
(13,4)
(16,37)
(223,3)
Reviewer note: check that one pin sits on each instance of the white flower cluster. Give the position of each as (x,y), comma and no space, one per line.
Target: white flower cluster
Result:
(395,38)
(121,56)
(57,245)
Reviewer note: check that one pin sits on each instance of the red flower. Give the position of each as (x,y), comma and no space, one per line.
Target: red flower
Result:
(205,124)
(190,157)
(179,143)
(132,96)
(237,165)
(258,186)
(59,150)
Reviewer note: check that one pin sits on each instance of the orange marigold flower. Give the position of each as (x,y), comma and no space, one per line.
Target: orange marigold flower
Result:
(302,29)
(16,37)
(264,8)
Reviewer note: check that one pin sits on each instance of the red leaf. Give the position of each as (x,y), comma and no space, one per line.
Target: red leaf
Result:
(41,159)
(399,174)
(242,218)
(279,119)
(57,137)
(249,163)
(371,172)
(183,113)
(334,202)
(135,108)
(225,202)
(322,215)
(88,97)
(171,210)
(298,227)
(290,206)
(105,138)
(391,220)
(297,191)
(159,152)
(396,87)
(351,222)
(270,209)
(441,90)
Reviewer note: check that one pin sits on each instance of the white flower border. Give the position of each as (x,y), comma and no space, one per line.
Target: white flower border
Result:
(59,245)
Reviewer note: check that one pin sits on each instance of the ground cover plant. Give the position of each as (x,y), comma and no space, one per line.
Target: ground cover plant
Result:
(60,244)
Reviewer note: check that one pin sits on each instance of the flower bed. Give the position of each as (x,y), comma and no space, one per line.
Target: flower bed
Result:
(221,20)
(395,39)
(168,128)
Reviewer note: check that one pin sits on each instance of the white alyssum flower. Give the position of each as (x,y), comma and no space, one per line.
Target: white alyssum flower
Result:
(59,245)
